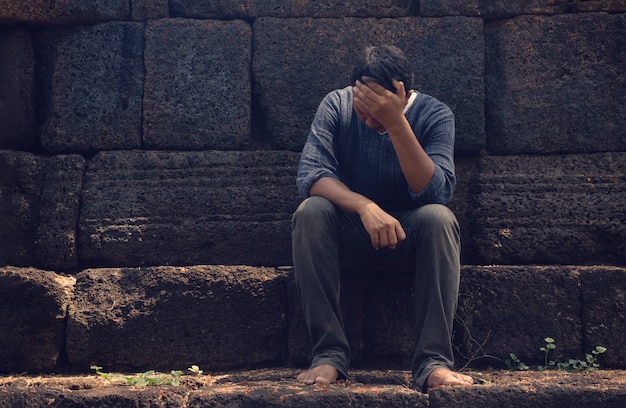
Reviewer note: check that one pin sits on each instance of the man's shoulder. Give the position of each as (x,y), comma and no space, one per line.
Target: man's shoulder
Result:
(429,105)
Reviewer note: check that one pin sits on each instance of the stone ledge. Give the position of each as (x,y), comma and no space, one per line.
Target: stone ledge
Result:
(224,317)
(276,387)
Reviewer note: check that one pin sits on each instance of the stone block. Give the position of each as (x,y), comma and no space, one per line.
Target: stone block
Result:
(556,84)
(249,9)
(93,87)
(63,11)
(549,210)
(298,61)
(197,92)
(168,318)
(490,9)
(180,208)
(33,308)
(604,312)
(39,199)
(512,309)
(17,93)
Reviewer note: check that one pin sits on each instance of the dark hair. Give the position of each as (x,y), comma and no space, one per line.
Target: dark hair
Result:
(382,64)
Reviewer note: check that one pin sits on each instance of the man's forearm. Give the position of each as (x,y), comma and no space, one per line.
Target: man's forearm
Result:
(339,194)
(417,166)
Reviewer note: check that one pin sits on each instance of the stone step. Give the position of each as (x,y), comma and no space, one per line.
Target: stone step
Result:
(367,388)
(224,317)
(135,208)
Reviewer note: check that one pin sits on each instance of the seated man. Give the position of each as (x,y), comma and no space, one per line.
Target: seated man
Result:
(377,171)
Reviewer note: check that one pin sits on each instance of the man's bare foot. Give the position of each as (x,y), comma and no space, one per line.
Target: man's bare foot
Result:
(442,376)
(322,374)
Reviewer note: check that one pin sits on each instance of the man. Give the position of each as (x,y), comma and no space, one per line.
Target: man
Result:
(377,171)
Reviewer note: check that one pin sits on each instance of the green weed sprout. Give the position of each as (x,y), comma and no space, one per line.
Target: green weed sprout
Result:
(550,345)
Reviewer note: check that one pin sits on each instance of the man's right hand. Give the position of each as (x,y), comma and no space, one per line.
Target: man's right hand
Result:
(385,230)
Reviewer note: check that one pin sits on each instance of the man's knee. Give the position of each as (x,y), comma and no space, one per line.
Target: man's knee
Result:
(435,216)
(313,207)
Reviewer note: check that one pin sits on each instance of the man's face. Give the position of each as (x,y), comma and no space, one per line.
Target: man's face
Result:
(369,120)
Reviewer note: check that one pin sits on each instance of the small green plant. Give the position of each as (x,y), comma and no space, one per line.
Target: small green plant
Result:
(550,345)
(148,378)
(514,364)
(590,363)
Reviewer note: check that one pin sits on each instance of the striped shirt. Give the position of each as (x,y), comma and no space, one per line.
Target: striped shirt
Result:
(341,146)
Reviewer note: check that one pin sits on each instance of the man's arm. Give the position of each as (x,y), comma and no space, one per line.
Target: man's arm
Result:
(385,231)
(388,109)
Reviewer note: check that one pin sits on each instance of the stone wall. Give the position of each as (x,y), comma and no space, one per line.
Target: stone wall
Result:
(92,90)
(149,133)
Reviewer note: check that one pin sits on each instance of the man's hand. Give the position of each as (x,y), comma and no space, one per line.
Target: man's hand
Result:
(372,99)
(385,231)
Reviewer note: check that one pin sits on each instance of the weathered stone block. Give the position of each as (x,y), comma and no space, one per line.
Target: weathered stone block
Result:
(604,312)
(169,318)
(512,309)
(179,208)
(64,11)
(39,200)
(250,9)
(17,93)
(556,84)
(549,210)
(197,92)
(93,87)
(298,61)
(33,307)
(502,9)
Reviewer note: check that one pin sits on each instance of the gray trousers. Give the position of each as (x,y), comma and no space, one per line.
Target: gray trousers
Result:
(326,239)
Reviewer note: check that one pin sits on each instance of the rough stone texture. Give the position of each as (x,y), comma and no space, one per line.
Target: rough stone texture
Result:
(549,210)
(297,61)
(33,306)
(277,388)
(61,185)
(93,87)
(535,389)
(389,319)
(536,105)
(39,200)
(143,10)
(604,312)
(17,90)
(180,208)
(19,195)
(197,92)
(490,9)
(249,9)
(513,308)
(63,11)
(170,318)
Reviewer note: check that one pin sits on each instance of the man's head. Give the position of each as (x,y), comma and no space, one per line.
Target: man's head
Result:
(383,64)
